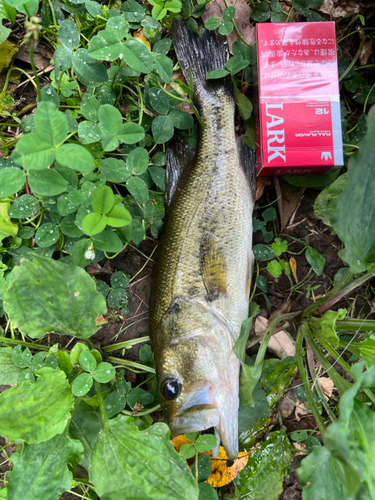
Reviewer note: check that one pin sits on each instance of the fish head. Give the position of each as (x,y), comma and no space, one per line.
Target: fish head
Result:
(198,373)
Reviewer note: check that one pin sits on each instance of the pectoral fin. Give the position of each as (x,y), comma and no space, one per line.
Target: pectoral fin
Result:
(214,269)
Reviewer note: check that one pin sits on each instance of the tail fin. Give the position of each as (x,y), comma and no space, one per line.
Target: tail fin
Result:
(201,53)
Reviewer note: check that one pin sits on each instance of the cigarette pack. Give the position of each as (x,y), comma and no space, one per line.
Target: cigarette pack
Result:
(298,120)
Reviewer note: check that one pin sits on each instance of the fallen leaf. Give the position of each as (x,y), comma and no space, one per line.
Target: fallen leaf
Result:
(293,268)
(101,320)
(288,203)
(327,386)
(300,446)
(261,325)
(301,410)
(262,182)
(365,53)
(139,34)
(281,345)
(221,474)
(42,56)
(215,8)
(342,8)
(286,407)
(7,51)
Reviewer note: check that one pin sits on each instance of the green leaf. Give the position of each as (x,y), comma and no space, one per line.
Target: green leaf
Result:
(244,105)
(104,372)
(114,170)
(130,133)
(301,6)
(8,370)
(226,28)
(316,260)
(247,416)
(68,35)
(88,69)
(102,199)
(51,124)
(204,467)
(24,206)
(322,476)
(110,118)
(162,129)
(263,252)
(205,442)
(89,107)
(47,182)
(158,176)
(138,160)
(33,152)
(365,350)
(85,426)
(164,66)
(114,403)
(87,361)
(239,347)
(137,55)
(118,298)
(11,181)
(124,450)
(207,492)
(76,351)
(41,470)
(159,100)
(94,223)
(217,73)
(106,45)
(36,412)
(108,241)
(121,280)
(46,296)
(261,12)
(138,395)
(181,119)
(119,216)
(262,477)
(82,384)
(88,132)
(229,13)
(138,188)
(325,327)
(356,204)
(47,234)
(279,246)
(236,64)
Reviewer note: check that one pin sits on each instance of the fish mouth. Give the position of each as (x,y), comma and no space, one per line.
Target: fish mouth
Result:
(197,418)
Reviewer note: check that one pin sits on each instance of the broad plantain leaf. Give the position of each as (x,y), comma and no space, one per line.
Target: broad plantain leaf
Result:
(354,221)
(8,370)
(326,203)
(139,464)
(262,477)
(48,296)
(41,471)
(36,412)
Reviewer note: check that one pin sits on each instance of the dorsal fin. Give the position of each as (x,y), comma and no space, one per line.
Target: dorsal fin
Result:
(179,157)
(247,161)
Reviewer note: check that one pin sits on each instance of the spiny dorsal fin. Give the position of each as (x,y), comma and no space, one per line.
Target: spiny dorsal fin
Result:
(214,269)
(247,161)
(179,158)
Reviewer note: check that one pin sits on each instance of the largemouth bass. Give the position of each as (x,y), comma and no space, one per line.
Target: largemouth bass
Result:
(202,271)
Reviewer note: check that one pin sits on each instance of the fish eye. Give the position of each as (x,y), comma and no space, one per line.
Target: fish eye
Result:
(171,389)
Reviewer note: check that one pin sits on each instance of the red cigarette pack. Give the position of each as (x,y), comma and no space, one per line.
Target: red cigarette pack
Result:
(298,119)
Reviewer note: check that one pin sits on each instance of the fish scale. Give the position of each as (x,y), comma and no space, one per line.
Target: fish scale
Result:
(202,270)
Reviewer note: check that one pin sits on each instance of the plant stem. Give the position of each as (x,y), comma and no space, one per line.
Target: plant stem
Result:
(142,413)
(30,345)
(363,325)
(303,376)
(340,383)
(36,76)
(131,364)
(103,411)
(352,286)
(128,344)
